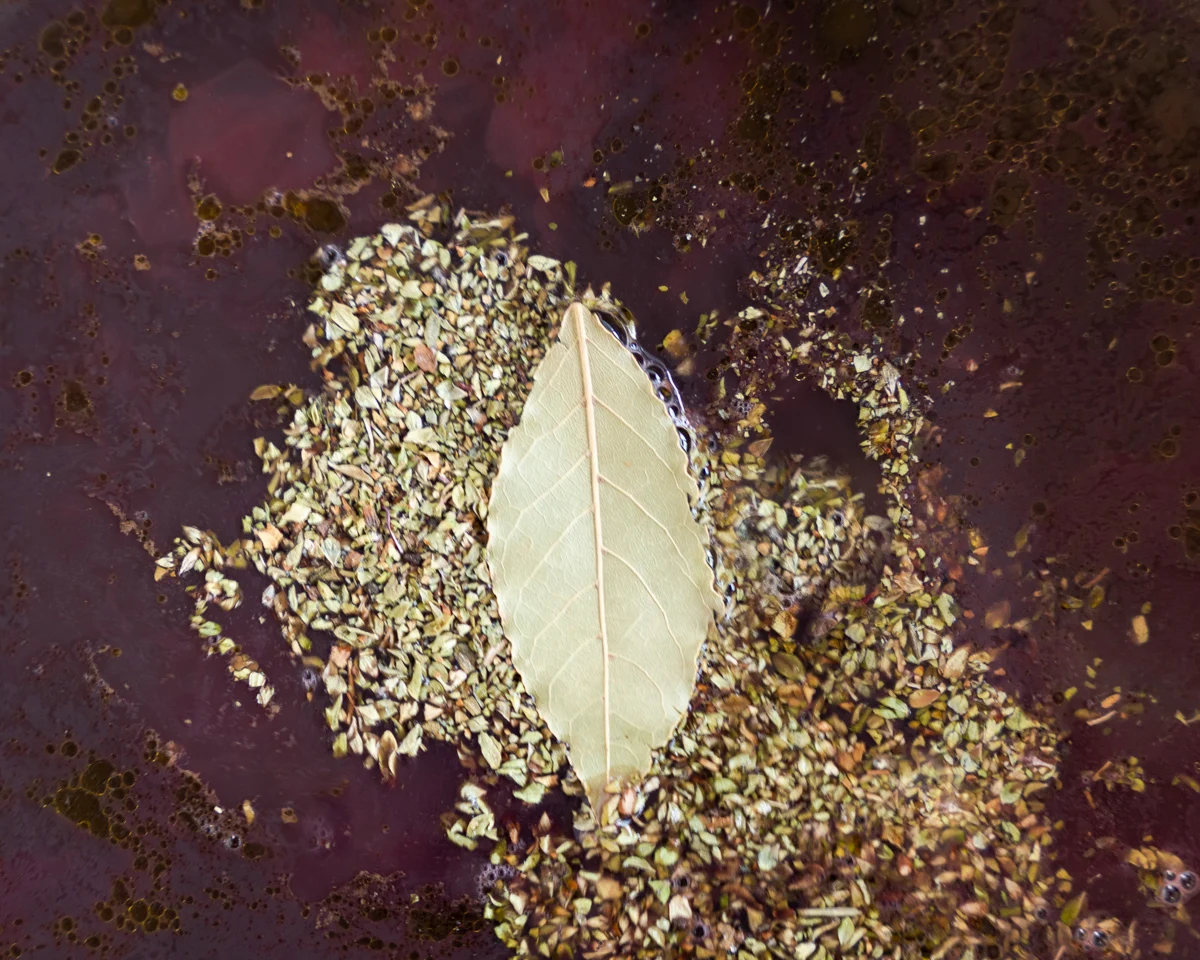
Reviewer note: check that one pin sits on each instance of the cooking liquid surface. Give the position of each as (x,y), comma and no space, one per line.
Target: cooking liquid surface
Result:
(1004,192)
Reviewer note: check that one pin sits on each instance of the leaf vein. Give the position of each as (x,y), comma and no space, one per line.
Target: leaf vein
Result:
(649,446)
(662,699)
(651,594)
(556,619)
(554,486)
(546,555)
(683,564)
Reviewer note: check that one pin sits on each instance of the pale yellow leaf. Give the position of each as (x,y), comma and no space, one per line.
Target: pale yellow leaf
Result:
(923,698)
(997,615)
(296,513)
(352,471)
(1072,910)
(387,755)
(956,663)
(268,391)
(270,536)
(425,358)
(343,316)
(598,565)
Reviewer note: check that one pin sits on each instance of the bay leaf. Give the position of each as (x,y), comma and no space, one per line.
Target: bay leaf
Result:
(531,794)
(411,742)
(421,436)
(597,563)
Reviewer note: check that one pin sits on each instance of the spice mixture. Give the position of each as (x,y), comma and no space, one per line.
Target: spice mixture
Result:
(847,781)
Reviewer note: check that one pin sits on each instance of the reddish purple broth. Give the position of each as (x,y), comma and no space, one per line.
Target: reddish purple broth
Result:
(1026,205)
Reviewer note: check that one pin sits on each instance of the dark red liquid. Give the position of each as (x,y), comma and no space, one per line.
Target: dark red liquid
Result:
(1017,182)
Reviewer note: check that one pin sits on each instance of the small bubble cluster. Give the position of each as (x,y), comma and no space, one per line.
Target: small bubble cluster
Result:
(490,875)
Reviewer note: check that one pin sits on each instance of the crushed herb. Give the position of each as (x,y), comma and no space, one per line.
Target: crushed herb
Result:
(847,781)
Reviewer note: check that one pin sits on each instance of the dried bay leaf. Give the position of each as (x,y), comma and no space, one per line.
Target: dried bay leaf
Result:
(598,565)
(296,513)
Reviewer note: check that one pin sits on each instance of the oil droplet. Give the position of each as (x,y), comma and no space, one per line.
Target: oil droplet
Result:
(127,13)
(180,93)
(625,209)
(51,40)
(746,17)
(450,67)
(75,399)
(66,160)
(95,777)
(847,25)
(209,208)
(323,216)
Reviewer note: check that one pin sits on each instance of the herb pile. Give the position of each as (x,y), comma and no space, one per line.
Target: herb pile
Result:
(846,783)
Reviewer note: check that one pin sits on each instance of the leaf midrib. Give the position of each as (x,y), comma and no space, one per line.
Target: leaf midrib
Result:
(593,453)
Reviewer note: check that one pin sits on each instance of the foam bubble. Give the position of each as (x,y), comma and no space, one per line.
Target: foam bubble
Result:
(490,875)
